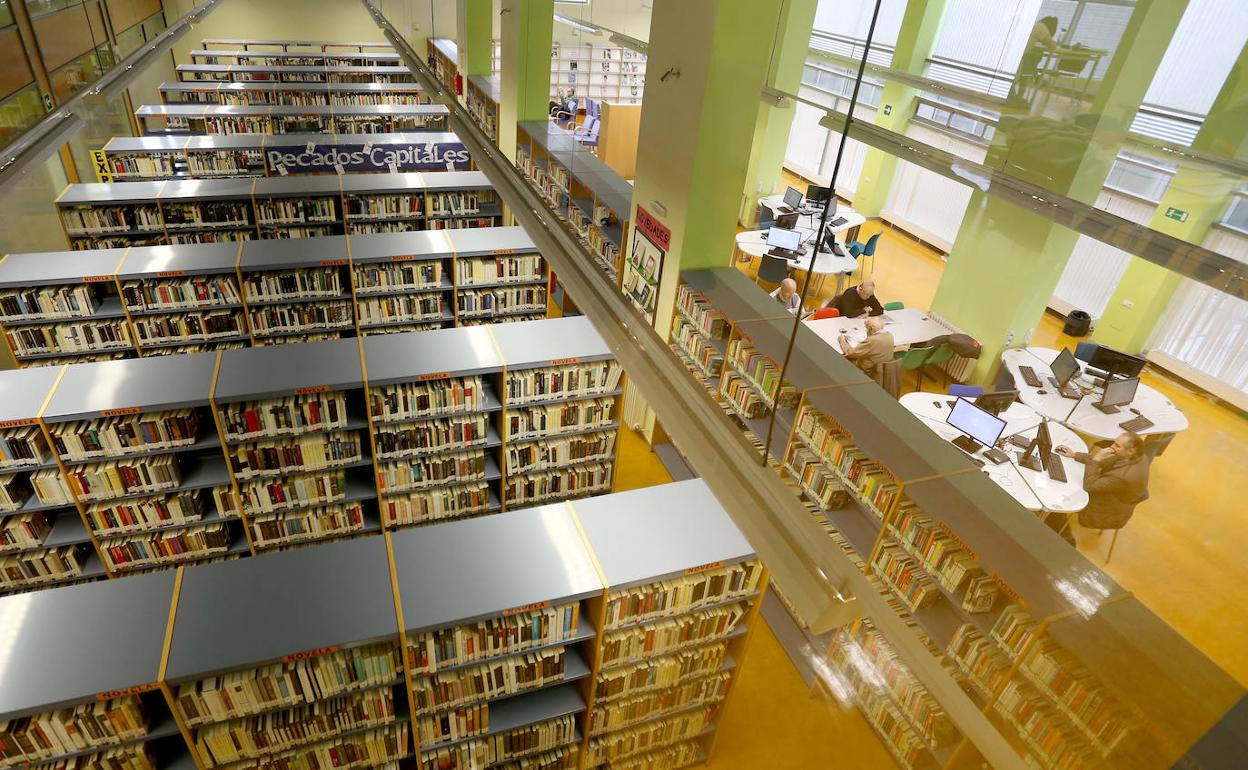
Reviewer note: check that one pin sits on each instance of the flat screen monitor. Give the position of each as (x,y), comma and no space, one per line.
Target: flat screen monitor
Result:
(995,403)
(1117,362)
(778,237)
(1120,392)
(1064,367)
(818,195)
(1039,450)
(975,422)
(793,198)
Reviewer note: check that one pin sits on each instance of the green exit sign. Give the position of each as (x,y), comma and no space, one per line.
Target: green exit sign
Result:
(1178,215)
(888,109)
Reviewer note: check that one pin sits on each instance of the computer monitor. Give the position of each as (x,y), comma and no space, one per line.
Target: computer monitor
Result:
(1036,457)
(793,198)
(1064,367)
(998,402)
(780,238)
(978,425)
(1117,362)
(787,221)
(829,240)
(1118,393)
(817,195)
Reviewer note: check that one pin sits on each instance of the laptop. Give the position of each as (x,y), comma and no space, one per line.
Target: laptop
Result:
(785,244)
(792,202)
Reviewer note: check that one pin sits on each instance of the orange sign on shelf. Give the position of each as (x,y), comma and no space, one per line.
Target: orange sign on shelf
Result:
(503,251)
(403,258)
(120,411)
(332,262)
(1008,590)
(704,567)
(170,273)
(564,361)
(17,423)
(311,389)
(96,278)
(526,608)
(954,537)
(318,652)
(434,376)
(138,688)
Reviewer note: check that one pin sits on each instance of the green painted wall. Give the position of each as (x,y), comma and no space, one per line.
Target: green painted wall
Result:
(525,31)
(474,35)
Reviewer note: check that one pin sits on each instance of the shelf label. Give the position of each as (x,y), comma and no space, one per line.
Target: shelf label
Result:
(704,567)
(434,376)
(332,262)
(503,251)
(100,162)
(1007,590)
(17,423)
(563,361)
(138,688)
(403,258)
(96,278)
(888,472)
(170,273)
(120,411)
(318,652)
(526,608)
(954,537)
(311,389)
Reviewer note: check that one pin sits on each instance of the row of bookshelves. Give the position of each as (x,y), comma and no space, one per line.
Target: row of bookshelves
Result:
(323,46)
(153,300)
(444,58)
(302,94)
(278,661)
(243,451)
(483,96)
(210,119)
(118,214)
(594,71)
(950,553)
(294,73)
(149,158)
(295,58)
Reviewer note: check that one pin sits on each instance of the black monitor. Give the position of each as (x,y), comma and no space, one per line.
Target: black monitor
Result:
(817,195)
(1064,367)
(793,198)
(978,425)
(1117,362)
(1117,393)
(829,240)
(779,237)
(787,221)
(1036,457)
(998,402)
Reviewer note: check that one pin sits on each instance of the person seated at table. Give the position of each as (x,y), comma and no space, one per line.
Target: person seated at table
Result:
(857,301)
(1115,477)
(876,350)
(786,294)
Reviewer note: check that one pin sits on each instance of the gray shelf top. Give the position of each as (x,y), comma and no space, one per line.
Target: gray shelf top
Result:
(198,110)
(58,267)
(485,241)
(487,84)
(279,370)
(384,184)
(110,193)
(454,180)
(207,189)
(246,613)
(315,184)
(391,109)
(150,384)
(447,47)
(223,67)
(185,258)
(813,364)
(145,143)
(533,344)
(317,43)
(345,140)
(275,110)
(240,86)
(330,55)
(67,645)
(385,247)
(732,293)
(696,531)
(280,253)
(225,141)
(23,391)
(462,571)
(411,356)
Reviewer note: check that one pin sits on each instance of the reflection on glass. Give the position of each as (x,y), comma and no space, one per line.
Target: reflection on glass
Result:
(38,8)
(19,112)
(70,78)
(6,14)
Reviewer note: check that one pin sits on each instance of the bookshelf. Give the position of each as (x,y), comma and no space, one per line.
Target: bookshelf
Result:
(298,207)
(593,71)
(296,58)
(297,94)
(378,203)
(499,276)
(561,405)
(207,211)
(142,460)
(293,421)
(110,697)
(692,645)
(104,215)
(43,542)
(403,281)
(320,623)
(593,201)
(181,299)
(532,574)
(297,288)
(324,46)
(217,119)
(484,95)
(189,73)
(445,55)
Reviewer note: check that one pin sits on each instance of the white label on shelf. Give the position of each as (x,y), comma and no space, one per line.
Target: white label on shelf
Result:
(281,170)
(311,148)
(394,167)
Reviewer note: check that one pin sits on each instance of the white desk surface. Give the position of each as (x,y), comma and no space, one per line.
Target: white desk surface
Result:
(754,243)
(1034,490)
(1086,418)
(852,218)
(908,326)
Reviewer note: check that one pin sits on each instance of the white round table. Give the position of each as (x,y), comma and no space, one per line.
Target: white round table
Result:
(753,243)
(853,220)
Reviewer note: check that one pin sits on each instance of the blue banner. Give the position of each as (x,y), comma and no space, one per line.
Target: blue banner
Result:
(340,158)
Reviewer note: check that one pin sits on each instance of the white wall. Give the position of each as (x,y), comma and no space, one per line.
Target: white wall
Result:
(632,17)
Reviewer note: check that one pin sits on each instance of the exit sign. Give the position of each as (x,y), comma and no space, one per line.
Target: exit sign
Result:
(1178,215)
(888,109)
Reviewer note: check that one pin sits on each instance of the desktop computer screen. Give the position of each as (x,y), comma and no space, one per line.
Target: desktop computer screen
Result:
(1064,367)
(975,422)
(780,238)
(793,198)
(818,195)
(1117,362)
(1120,392)
(1038,451)
(995,403)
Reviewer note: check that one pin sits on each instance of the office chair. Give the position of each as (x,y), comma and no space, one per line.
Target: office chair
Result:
(894,306)
(888,376)
(966,391)
(590,124)
(825,312)
(773,269)
(591,138)
(914,359)
(1085,350)
(942,355)
(859,249)
(766,217)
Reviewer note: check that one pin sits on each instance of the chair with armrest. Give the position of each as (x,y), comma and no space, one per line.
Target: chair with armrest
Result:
(825,312)
(590,139)
(894,306)
(914,359)
(965,391)
(940,356)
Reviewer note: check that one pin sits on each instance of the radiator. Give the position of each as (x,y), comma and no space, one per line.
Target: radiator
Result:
(958,368)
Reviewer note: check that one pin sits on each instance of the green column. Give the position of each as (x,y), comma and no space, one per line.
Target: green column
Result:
(1195,199)
(1006,260)
(915,41)
(527,28)
(771,129)
(474,32)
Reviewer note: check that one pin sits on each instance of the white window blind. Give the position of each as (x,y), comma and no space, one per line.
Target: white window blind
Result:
(806,141)
(1094,268)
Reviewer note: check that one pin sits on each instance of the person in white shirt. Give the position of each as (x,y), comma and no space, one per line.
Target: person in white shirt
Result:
(786,294)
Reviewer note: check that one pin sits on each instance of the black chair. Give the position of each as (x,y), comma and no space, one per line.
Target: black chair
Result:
(773,269)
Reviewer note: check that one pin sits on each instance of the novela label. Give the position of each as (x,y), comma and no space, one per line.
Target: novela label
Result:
(321,159)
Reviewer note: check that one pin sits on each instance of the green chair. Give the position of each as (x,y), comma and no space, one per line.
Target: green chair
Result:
(939,357)
(894,306)
(914,360)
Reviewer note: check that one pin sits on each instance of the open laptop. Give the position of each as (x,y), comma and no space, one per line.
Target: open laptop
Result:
(785,244)
(792,202)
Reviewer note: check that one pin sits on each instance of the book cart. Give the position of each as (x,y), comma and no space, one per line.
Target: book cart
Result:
(593,201)
(483,97)
(445,55)
(977,576)
(199,119)
(190,73)
(299,94)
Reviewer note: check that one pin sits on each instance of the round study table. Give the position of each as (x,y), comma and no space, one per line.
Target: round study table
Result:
(853,220)
(753,244)
(1034,490)
(1083,416)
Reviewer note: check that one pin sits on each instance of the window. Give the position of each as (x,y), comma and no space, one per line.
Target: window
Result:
(38,8)
(1140,177)
(6,14)
(19,112)
(68,79)
(956,117)
(1236,216)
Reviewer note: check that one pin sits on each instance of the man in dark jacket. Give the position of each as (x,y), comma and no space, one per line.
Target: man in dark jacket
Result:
(1116,480)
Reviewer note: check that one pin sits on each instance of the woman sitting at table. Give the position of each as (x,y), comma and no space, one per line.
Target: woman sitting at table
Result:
(1116,480)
